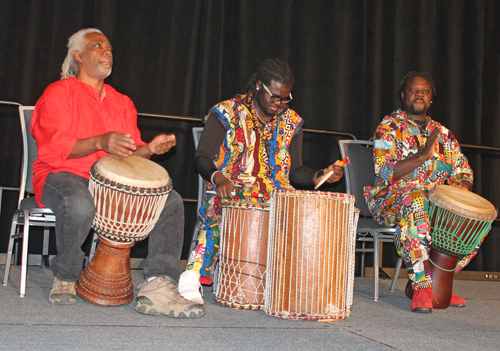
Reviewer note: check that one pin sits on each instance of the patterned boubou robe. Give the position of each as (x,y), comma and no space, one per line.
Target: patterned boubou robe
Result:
(255,158)
(404,202)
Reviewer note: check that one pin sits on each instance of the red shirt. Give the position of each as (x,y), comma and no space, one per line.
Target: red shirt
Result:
(70,110)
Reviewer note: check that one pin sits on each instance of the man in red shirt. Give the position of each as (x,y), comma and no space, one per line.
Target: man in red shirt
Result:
(76,121)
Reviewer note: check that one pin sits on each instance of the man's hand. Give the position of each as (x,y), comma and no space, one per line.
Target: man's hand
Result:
(404,167)
(336,171)
(116,143)
(223,186)
(463,184)
(113,142)
(162,143)
(430,145)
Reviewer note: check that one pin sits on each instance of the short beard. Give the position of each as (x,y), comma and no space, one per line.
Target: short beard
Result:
(99,72)
(414,111)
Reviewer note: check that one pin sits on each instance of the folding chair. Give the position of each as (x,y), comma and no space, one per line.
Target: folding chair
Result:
(359,173)
(7,188)
(28,213)
(201,184)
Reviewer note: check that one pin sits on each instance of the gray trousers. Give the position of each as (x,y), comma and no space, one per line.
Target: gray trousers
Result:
(67,195)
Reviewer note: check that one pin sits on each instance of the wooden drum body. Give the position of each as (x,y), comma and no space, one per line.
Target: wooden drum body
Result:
(310,263)
(129,196)
(243,254)
(459,221)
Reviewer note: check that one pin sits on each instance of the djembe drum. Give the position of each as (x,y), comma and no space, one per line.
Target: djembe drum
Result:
(129,196)
(310,262)
(460,220)
(243,254)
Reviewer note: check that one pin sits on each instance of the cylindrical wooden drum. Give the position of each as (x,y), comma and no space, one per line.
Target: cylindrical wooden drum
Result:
(243,254)
(310,262)
(129,195)
(459,220)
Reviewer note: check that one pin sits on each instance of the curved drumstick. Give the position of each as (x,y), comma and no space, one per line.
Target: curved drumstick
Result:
(325,176)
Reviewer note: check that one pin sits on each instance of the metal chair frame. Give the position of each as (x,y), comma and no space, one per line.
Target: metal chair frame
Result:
(358,174)
(29,214)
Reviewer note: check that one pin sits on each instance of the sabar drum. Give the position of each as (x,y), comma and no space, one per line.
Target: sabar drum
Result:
(310,262)
(459,221)
(243,254)
(129,196)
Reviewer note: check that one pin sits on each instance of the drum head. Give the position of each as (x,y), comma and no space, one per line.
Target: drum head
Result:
(462,202)
(133,170)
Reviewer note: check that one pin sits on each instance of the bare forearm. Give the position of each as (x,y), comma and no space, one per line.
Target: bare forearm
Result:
(404,167)
(112,142)
(84,147)
(211,140)
(143,151)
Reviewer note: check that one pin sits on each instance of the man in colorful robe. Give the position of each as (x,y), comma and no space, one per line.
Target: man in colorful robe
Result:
(412,153)
(250,145)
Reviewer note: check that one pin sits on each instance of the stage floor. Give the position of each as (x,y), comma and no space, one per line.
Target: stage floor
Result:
(31,323)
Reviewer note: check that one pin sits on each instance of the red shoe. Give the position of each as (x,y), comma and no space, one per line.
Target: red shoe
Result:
(205,280)
(457,301)
(422,300)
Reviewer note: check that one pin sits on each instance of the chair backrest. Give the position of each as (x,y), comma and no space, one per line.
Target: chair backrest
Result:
(359,172)
(30,151)
(197,131)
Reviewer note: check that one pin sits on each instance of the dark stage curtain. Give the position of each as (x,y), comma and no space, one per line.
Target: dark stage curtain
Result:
(181,57)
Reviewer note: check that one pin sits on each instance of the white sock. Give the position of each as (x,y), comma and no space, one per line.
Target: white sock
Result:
(189,286)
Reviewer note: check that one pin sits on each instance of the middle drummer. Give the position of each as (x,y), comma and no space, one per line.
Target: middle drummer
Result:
(251,144)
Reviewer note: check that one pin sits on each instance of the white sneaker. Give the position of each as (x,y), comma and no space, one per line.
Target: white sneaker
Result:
(190,287)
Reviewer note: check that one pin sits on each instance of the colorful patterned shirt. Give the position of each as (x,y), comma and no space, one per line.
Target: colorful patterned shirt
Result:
(255,158)
(397,138)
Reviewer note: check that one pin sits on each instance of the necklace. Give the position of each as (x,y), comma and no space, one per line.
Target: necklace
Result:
(258,116)
(266,130)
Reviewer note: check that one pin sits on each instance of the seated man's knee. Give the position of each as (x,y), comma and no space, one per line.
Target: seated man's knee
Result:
(415,200)
(174,199)
(65,192)
(81,204)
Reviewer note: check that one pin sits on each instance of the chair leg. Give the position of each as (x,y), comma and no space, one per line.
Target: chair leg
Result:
(363,246)
(24,260)
(8,261)
(45,252)
(16,250)
(216,278)
(396,274)
(95,240)
(375,264)
(194,239)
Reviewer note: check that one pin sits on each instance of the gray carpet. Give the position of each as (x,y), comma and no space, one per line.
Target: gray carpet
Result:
(31,323)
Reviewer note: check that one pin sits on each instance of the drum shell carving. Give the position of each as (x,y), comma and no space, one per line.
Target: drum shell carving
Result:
(129,195)
(106,280)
